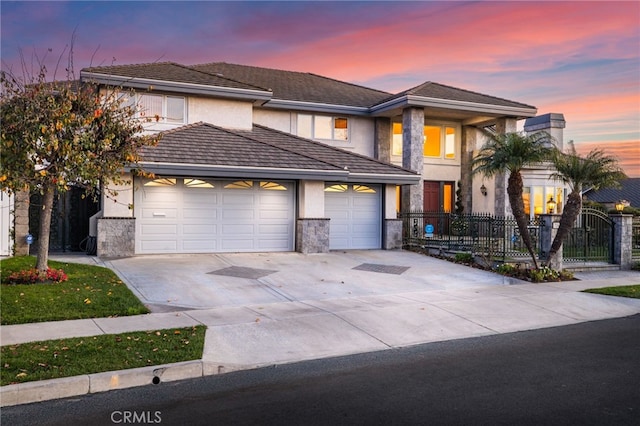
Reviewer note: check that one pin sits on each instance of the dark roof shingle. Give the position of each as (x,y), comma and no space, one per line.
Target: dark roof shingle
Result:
(262,147)
(298,86)
(629,191)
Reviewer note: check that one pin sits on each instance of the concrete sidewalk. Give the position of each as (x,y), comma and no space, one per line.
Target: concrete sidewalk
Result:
(276,323)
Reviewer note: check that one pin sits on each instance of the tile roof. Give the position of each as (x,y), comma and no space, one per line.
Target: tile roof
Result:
(430,89)
(170,71)
(298,86)
(629,190)
(262,147)
(291,85)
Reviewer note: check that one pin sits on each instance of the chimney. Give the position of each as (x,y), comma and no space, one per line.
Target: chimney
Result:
(552,123)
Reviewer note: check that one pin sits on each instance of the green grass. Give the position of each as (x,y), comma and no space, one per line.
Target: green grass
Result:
(90,292)
(54,359)
(632,291)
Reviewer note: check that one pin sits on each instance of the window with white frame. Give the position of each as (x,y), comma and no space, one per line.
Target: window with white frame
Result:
(159,108)
(323,127)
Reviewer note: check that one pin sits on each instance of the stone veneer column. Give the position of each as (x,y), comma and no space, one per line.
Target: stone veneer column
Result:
(548,231)
(312,235)
(382,143)
(392,237)
(413,156)
(116,236)
(20,223)
(469,140)
(622,239)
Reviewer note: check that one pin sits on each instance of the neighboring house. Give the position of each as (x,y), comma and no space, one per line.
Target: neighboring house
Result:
(628,193)
(257,159)
(6,220)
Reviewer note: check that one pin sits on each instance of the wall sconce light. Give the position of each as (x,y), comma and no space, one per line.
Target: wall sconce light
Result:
(483,190)
(620,206)
(551,206)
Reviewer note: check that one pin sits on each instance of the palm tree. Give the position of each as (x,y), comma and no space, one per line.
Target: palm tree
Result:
(511,152)
(595,170)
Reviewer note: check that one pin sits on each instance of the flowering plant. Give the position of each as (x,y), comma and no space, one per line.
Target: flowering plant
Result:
(32,276)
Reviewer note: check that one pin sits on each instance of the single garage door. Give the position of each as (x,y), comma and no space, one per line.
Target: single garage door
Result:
(196,215)
(356,216)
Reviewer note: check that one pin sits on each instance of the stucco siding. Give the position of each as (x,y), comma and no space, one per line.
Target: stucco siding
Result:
(221,112)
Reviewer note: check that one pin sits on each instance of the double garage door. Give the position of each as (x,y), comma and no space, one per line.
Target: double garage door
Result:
(189,215)
(197,215)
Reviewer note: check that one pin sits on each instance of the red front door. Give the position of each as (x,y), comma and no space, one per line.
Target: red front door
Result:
(431,196)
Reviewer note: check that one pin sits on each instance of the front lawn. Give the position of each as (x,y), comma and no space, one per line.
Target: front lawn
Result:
(632,291)
(90,292)
(53,359)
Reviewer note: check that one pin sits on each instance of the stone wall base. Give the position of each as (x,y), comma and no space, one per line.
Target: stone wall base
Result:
(312,236)
(392,234)
(116,237)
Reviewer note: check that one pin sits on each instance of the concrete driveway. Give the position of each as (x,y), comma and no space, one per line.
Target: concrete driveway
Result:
(204,281)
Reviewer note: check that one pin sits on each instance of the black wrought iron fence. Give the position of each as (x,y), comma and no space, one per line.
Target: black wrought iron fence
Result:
(590,239)
(494,237)
(635,239)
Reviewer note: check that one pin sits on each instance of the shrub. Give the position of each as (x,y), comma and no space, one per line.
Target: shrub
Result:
(464,258)
(543,274)
(507,269)
(32,276)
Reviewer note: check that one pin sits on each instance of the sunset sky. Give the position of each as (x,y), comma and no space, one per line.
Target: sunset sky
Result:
(581,59)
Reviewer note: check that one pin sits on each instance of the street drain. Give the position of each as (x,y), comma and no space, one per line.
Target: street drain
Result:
(242,272)
(384,269)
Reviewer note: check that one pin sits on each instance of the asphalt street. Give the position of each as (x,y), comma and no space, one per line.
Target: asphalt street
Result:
(587,374)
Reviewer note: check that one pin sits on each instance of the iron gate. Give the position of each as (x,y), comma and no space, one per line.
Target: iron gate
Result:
(590,239)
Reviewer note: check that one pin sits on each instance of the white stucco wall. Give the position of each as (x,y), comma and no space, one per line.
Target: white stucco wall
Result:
(220,112)
(311,199)
(279,120)
(118,206)
(390,211)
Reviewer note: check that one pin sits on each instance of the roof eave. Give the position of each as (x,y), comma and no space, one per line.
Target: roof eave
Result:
(427,102)
(317,107)
(166,168)
(177,87)
(385,178)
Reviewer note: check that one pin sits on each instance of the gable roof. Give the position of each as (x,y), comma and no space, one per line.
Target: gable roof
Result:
(202,149)
(629,191)
(430,89)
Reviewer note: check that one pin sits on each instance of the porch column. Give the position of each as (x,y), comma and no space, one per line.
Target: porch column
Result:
(470,136)
(622,239)
(412,156)
(382,143)
(501,204)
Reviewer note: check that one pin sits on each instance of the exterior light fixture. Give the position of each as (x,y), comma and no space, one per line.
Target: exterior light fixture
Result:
(551,206)
(620,206)
(483,190)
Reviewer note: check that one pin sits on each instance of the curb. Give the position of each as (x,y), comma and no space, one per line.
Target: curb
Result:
(44,390)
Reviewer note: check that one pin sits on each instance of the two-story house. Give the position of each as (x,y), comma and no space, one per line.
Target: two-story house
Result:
(256,159)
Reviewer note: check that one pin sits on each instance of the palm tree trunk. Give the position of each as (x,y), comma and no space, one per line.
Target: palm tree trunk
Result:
(514,189)
(45,228)
(569,215)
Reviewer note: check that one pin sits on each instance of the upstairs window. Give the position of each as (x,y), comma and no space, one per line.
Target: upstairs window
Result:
(323,127)
(160,108)
(439,141)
